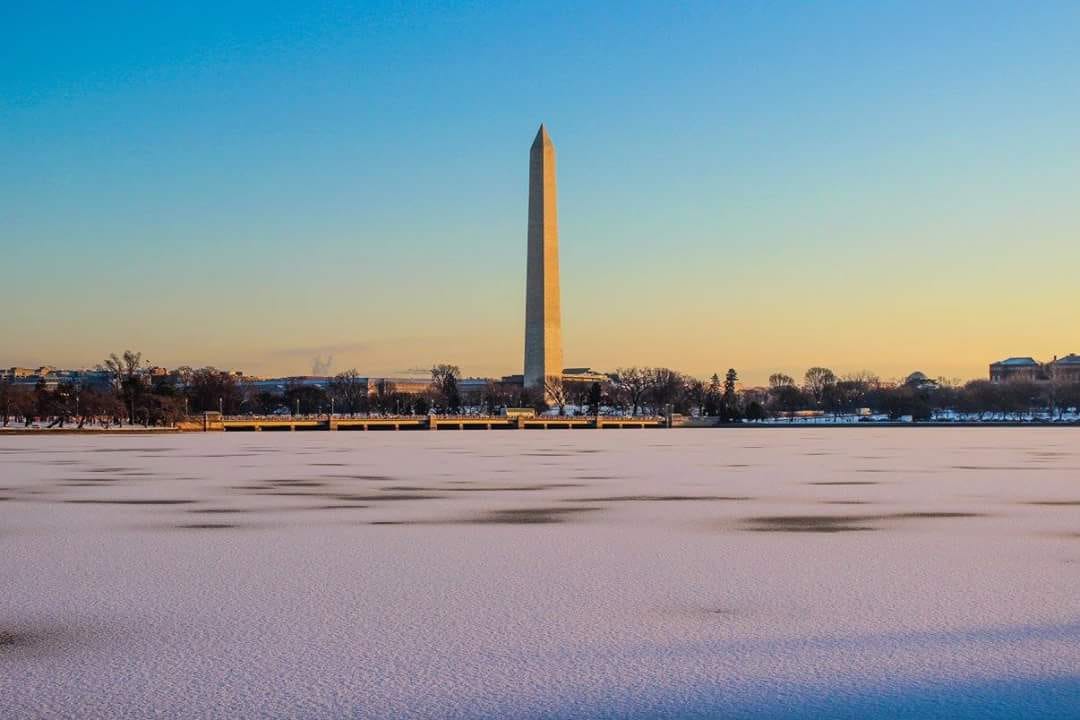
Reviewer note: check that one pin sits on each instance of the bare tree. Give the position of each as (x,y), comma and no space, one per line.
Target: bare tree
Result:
(780,380)
(6,395)
(633,383)
(122,368)
(495,396)
(210,389)
(816,380)
(127,378)
(696,393)
(582,394)
(845,396)
(386,398)
(444,382)
(183,374)
(94,404)
(864,378)
(666,387)
(1052,389)
(23,404)
(1068,396)
(555,392)
(349,391)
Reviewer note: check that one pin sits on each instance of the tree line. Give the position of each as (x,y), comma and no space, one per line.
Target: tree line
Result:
(134,396)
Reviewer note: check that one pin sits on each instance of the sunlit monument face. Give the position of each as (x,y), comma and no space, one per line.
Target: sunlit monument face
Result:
(543,327)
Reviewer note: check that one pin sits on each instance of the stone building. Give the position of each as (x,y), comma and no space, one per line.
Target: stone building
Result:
(1016,368)
(1065,369)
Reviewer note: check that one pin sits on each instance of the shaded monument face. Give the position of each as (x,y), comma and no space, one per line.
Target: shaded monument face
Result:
(543,326)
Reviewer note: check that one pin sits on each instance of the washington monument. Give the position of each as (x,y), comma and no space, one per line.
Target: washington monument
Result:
(543,324)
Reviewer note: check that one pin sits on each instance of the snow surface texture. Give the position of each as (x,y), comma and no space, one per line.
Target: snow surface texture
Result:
(843,573)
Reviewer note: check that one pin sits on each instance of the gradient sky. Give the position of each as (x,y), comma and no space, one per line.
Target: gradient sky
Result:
(765,185)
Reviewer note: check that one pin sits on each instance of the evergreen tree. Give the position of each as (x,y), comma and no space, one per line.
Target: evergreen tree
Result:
(594,398)
(713,396)
(730,401)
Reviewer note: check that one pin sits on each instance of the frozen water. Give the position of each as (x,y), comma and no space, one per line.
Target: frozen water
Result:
(771,573)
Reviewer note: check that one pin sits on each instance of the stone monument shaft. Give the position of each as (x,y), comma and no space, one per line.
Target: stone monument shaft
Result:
(543,322)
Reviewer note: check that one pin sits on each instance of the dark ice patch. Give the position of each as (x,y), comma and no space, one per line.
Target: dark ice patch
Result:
(511,516)
(34,637)
(809,523)
(296,483)
(82,501)
(375,478)
(531,516)
(843,482)
(482,488)
(1011,468)
(838,523)
(130,449)
(662,498)
(11,638)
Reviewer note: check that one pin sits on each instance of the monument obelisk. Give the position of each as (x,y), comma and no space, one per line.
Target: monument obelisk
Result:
(543,323)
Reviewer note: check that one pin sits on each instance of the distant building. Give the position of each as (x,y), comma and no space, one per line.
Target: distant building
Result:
(584,375)
(45,375)
(569,375)
(1016,368)
(279,385)
(920,381)
(413,386)
(97,379)
(371,385)
(1065,369)
(49,377)
(472,386)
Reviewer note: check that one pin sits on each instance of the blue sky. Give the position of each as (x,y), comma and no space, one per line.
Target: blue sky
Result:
(765,185)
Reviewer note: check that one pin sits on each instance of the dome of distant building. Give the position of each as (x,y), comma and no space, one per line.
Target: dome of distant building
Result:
(919,379)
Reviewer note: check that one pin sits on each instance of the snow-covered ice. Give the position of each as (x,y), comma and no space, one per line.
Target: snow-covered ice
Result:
(798,572)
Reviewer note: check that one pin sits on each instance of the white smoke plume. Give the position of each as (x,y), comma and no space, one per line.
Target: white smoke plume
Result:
(320,366)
